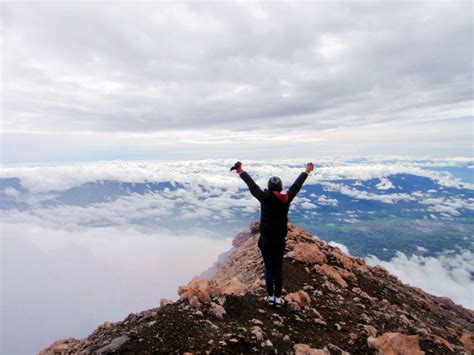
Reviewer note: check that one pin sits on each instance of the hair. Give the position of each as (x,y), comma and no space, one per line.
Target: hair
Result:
(275,184)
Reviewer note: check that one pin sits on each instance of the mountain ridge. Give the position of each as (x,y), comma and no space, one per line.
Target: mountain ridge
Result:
(335,304)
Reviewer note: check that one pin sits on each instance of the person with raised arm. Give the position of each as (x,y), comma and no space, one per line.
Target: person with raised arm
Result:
(273,225)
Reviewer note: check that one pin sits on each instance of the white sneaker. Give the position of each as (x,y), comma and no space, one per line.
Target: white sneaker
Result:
(271,300)
(279,301)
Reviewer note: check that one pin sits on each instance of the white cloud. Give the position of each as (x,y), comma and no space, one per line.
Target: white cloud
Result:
(449,206)
(364,195)
(60,282)
(214,173)
(325,201)
(210,192)
(384,184)
(308,205)
(343,248)
(148,209)
(446,275)
(11,192)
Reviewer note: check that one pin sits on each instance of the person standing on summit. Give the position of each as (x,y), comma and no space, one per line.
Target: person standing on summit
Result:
(273,225)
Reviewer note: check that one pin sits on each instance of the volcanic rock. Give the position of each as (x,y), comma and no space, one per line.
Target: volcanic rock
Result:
(298,300)
(332,273)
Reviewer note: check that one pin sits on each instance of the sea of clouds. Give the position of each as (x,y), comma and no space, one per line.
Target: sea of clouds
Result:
(449,275)
(65,269)
(61,281)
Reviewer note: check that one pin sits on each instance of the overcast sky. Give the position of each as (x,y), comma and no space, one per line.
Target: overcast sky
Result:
(92,81)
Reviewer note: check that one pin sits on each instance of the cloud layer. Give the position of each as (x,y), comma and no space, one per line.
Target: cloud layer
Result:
(59,263)
(336,76)
(59,282)
(45,177)
(446,275)
(207,193)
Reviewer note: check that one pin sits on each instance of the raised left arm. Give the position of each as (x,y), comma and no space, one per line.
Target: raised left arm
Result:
(296,187)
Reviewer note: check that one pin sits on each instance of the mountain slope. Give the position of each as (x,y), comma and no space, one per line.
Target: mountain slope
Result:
(336,304)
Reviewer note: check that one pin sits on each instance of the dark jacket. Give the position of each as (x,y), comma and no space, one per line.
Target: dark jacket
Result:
(274,206)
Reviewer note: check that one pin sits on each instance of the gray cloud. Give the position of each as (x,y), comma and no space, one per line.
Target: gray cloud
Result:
(143,67)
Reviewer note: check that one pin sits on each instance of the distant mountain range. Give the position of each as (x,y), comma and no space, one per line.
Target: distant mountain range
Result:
(378,216)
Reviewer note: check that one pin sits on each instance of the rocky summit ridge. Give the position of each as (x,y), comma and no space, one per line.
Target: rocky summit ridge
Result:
(335,304)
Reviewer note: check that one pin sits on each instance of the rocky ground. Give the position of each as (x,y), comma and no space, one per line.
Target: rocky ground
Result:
(335,304)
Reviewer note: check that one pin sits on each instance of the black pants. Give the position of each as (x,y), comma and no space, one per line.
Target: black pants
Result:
(272,252)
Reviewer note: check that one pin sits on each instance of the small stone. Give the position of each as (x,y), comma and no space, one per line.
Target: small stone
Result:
(365,318)
(105,325)
(257,332)
(403,318)
(319,321)
(222,342)
(423,332)
(261,310)
(280,318)
(199,314)
(371,330)
(267,343)
(298,300)
(294,306)
(194,301)
(221,300)
(305,349)
(233,340)
(337,350)
(115,344)
(286,338)
(256,321)
(210,342)
(217,310)
(213,326)
(164,302)
(316,313)
(353,338)
(151,324)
